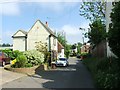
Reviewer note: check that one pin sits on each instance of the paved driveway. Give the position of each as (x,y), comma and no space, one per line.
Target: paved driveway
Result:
(74,76)
(8,76)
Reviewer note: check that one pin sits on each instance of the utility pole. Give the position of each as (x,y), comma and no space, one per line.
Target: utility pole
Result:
(82,34)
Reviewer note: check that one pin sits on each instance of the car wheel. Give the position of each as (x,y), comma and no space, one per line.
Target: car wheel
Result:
(3,63)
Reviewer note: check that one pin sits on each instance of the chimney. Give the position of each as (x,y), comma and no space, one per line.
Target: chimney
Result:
(46,23)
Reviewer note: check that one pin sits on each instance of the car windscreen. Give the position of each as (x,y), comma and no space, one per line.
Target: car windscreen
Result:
(62,59)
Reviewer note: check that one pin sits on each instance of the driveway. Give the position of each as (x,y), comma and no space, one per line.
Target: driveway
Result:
(74,76)
(8,76)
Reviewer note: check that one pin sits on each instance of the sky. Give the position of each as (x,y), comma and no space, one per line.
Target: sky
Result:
(61,17)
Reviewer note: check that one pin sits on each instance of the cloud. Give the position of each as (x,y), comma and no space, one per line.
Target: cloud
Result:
(73,34)
(56,6)
(9,9)
(41,0)
(71,30)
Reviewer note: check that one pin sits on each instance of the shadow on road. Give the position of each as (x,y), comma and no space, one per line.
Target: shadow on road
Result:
(73,76)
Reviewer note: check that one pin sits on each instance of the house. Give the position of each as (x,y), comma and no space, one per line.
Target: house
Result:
(85,48)
(23,40)
(60,50)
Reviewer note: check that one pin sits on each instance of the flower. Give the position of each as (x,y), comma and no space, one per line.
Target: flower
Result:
(14,61)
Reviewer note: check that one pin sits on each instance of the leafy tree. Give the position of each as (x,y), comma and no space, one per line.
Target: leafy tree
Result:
(67,50)
(114,30)
(96,32)
(62,40)
(5,45)
(74,46)
(78,47)
(93,10)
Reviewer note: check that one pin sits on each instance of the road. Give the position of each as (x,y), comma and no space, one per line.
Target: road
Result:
(74,76)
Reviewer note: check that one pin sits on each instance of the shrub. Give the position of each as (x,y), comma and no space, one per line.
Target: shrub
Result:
(12,54)
(28,65)
(85,55)
(16,53)
(34,57)
(105,71)
(21,61)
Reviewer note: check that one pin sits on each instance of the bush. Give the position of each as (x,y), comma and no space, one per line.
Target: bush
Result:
(12,54)
(16,53)
(34,57)
(85,55)
(21,61)
(105,71)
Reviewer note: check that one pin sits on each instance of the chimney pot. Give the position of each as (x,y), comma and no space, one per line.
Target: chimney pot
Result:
(46,23)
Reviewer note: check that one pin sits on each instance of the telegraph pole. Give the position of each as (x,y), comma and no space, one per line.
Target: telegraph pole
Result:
(82,34)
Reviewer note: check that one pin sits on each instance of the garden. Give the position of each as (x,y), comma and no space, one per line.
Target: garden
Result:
(28,61)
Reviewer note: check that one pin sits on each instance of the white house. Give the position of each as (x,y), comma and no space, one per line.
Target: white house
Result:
(23,40)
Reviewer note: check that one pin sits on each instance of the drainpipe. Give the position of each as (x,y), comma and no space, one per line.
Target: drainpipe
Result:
(49,43)
(26,43)
(50,49)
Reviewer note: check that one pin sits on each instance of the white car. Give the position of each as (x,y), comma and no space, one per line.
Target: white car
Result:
(62,62)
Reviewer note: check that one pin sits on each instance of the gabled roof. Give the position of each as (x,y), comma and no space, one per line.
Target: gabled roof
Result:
(60,46)
(24,32)
(46,27)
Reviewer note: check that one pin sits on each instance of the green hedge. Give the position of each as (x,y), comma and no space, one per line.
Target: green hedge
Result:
(105,71)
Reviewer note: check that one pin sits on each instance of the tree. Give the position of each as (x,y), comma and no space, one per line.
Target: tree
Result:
(78,47)
(74,46)
(93,10)
(67,50)
(97,32)
(62,40)
(5,45)
(114,30)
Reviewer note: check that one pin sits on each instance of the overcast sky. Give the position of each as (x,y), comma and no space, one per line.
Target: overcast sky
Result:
(61,16)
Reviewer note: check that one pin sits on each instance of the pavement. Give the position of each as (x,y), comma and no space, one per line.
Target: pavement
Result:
(75,75)
(8,76)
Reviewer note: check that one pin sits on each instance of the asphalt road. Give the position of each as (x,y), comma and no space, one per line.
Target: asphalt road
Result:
(74,76)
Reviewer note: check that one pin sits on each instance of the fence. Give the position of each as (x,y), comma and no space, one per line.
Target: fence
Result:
(100,50)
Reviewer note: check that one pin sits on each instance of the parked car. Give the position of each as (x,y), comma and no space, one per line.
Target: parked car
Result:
(62,62)
(4,59)
(78,56)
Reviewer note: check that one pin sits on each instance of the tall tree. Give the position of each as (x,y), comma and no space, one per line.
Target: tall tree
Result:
(114,29)
(93,10)
(97,32)
(78,47)
(63,41)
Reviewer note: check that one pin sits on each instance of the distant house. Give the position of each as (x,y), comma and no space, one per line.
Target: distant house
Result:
(85,49)
(60,50)
(23,40)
